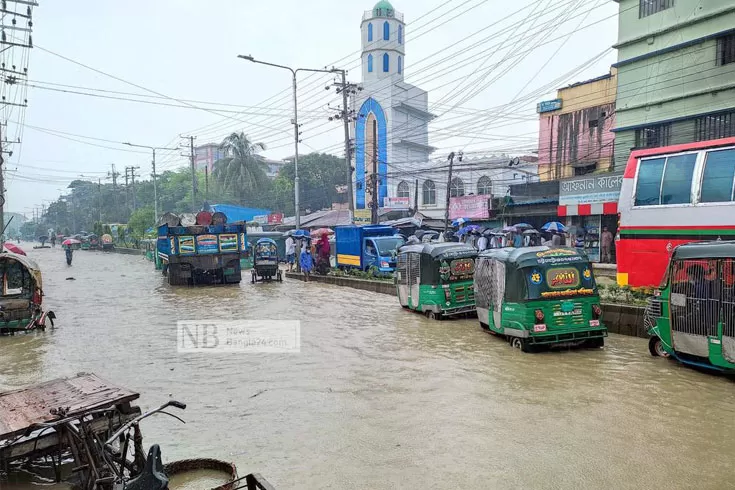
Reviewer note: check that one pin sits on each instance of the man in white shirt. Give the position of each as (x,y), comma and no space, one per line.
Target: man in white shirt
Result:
(290,252)
(482,243)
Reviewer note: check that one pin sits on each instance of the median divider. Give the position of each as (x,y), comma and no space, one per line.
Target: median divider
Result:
(619,318)
(127,251)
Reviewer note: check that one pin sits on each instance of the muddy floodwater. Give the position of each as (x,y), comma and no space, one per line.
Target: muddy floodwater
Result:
(378,397)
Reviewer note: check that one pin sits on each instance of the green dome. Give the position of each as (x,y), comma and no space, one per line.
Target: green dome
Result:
(383,9)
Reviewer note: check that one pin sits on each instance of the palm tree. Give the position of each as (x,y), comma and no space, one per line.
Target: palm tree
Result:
(241,172)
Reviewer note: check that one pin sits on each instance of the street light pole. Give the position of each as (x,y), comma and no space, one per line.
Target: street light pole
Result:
(155,185)
(297,212)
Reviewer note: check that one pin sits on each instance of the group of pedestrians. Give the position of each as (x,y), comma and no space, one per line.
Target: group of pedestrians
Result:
(306,262)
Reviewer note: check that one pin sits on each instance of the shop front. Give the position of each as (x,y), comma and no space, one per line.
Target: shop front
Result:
(588,206)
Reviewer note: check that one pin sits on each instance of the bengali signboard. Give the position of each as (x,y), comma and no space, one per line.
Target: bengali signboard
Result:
(207,244)
(590,189)
(477,207)
(261,219)
(548,106)
(397,203)
(362,216)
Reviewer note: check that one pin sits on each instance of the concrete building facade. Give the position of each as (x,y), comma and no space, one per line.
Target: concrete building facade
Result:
(575,129)
(676,73)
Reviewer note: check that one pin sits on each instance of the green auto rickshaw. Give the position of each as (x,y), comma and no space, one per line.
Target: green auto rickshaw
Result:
(691,318)
(536,296)
(436,279)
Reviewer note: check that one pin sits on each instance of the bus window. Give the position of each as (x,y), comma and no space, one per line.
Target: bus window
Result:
(648,189)
(719,176)
(677,183)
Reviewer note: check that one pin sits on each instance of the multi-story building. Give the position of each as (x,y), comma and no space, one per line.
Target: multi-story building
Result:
(206,155)
(676,73)
(575,129)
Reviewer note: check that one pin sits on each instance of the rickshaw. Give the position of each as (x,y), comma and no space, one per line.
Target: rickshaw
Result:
(691,317)
(265,261)
(107,242)
(22,295)
(436,279)
(539,296)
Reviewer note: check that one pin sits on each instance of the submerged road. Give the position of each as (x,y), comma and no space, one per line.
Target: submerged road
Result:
(378,397)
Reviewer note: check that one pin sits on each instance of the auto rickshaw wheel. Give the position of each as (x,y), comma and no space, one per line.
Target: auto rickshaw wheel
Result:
(656,347)
(595,343)
(484,326)
(522,344)
(431,315)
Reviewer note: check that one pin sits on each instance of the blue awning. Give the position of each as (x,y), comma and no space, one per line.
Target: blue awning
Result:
(237,213)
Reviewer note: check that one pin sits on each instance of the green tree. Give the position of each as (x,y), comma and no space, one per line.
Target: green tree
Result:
(319,176)
(140,221)
(241,172)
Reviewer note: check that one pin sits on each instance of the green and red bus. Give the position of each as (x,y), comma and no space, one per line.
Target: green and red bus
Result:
(671,196)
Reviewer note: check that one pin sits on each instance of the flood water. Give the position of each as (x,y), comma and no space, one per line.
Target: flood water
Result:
(378,397)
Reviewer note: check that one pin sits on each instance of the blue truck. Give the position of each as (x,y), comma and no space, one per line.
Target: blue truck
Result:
(194,255)
(363,247)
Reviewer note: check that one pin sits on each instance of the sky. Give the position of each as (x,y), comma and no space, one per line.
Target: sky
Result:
(485,63)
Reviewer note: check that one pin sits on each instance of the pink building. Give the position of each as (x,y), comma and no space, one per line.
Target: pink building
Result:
(575,136)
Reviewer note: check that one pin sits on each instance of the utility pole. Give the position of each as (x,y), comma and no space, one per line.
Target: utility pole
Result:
(132,184)
(114,175)
(155,185)
(295,122)
(127,187)
(347,116)
(15,37)
(449,189)
(416,197)
(374,176)
(206,183)
(194,186)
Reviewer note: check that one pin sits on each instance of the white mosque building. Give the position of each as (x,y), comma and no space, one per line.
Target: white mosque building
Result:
(392,115)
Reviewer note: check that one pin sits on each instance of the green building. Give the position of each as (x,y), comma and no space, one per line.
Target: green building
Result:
(676,73)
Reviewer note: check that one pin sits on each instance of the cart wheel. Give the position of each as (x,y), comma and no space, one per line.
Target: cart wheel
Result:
(656,347)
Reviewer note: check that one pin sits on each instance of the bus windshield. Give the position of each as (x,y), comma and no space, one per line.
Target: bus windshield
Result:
(559,282)
(386,246)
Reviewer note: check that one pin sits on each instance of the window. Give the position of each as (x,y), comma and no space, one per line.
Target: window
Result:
(585,169)
(456,188)
(715,126)
(386,31)
(677,184)
(665,180)
(370,63)
(400,64)
(653,136)
(593,123)
(429,191)
(726,49)
(718,181)
(650,7)
(386,63)
(400,34)
(484,186)
(370,32)
(403,190)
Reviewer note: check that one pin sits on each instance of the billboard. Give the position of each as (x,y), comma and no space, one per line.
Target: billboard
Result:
(477,207)
(548,106)
(591,188)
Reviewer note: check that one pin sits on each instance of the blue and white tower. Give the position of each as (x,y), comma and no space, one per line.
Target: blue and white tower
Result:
(392,116)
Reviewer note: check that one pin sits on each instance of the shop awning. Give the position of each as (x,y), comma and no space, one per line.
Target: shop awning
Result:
(594,209)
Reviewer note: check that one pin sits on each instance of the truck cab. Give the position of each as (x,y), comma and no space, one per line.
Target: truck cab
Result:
(364,247)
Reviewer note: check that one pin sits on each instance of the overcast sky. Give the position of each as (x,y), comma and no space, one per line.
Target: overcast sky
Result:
(485,63)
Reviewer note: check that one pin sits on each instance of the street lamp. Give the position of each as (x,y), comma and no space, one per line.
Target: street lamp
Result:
(155,186)
(297,217)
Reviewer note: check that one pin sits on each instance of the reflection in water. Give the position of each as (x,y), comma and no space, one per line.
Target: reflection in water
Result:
(378,397)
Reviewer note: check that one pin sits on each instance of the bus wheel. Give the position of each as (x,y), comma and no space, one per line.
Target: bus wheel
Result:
(656,347)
